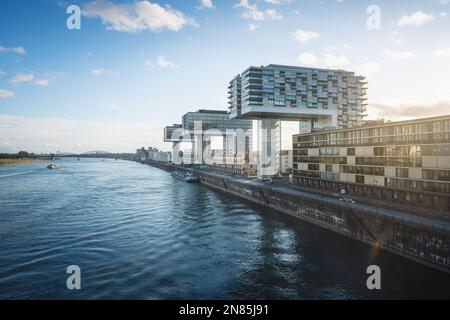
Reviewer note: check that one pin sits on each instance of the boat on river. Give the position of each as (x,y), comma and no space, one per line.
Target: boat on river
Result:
(53,166)
(188,177)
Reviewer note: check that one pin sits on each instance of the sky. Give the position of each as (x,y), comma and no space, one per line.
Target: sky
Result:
(135,66)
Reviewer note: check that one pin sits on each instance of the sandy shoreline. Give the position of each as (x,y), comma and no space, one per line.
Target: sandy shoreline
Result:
(5,162)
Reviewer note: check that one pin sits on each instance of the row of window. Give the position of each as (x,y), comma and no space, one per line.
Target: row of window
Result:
(393,183)
(371,171)
(408,130)
(308,174)
(364,161)
(327,176)
(427,174)
(439,175)
(420,139)
(327,160)
(389,161)
(442,150)
(414,185)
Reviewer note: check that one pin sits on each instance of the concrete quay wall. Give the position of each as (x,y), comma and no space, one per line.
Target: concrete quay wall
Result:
(411,237)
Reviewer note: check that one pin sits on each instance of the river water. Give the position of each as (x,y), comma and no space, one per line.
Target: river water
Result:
(138,233)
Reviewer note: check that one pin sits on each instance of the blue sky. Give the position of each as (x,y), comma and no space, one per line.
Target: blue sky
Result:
(137,65)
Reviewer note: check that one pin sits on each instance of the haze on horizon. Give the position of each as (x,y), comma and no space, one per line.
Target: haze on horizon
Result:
(136,66)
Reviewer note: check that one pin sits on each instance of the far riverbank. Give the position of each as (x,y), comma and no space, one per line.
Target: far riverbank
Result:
(5,162)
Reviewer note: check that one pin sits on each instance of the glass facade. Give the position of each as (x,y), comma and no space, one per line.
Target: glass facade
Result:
(288,87)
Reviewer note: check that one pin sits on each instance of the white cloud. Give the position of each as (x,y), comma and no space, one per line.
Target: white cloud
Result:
(273,14)
(332,60)
(304,36)
(397,112)
(277,2)
(442,53)
(18,50)
(253,13)
(148,64)
(42,82)
(208,4)
(111,106)
(416,19)
(398,55)
(162,62)
(102,72)
(2,73)
(367,69)
(19,78)
(443,14)
(4,94)
(68,135)
(328,60)
(331,48)
(253,27)
(308,59)
(137,16)
(53,75)
(395,37)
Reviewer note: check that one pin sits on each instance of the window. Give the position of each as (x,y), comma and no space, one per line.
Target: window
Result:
(378,151)
(360,179)
(351,151)
(328,168)
(439,175)
(401,172)
(378,171)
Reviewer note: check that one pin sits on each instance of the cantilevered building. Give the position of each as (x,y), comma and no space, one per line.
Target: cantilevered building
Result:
(318,98)
(210,123)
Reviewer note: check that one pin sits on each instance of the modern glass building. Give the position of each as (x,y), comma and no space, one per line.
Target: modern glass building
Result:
(406,161)
(199,127)
(214,119)
(170,134)
(334,98)
(317,98)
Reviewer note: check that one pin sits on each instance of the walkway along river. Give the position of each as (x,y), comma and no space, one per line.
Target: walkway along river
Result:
(418,238)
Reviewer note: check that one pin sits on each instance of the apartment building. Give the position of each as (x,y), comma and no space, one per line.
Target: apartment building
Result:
(242,164)
(317,98)
(407,161)
(159,156)
(286,157)
(295,93)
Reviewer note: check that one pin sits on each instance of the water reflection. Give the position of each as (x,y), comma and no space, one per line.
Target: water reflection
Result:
(136,232)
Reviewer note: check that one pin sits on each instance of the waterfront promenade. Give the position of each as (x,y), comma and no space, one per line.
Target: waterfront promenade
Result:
(411,234)
(409,214)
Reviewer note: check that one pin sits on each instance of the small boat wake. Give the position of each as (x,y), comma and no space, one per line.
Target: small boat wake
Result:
(15,174)
(53,166)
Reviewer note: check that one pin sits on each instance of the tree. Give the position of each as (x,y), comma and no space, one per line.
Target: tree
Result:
(23,154)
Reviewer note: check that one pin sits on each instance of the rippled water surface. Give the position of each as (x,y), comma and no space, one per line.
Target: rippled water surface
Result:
(138,233)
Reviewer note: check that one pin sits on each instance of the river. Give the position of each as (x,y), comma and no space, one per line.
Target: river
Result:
(138,233)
